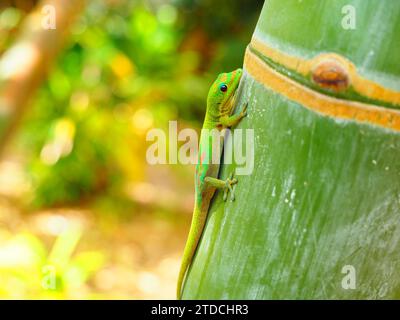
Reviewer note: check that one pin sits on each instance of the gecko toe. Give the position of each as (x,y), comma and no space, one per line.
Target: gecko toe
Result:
(225,197)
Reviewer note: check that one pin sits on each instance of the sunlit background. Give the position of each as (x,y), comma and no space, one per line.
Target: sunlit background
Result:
(77,199)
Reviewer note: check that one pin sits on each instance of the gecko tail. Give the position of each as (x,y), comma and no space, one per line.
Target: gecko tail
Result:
(196,229)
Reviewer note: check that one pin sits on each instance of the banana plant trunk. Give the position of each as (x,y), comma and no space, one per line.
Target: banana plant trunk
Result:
(319,215)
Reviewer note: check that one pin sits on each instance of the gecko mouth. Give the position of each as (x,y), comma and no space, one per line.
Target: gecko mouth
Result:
(232,99)
(230,103)
(227,106)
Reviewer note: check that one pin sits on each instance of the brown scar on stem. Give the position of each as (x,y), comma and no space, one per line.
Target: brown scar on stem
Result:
(359,84)
(321,103)
(330,74)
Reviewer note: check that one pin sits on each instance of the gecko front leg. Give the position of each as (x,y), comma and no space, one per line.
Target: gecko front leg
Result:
(230,121)
(227,185)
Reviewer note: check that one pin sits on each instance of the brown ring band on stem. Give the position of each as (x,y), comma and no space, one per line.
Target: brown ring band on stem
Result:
(305,67)
(316,101)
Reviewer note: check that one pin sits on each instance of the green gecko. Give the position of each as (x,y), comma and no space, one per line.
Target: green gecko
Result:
(218,116)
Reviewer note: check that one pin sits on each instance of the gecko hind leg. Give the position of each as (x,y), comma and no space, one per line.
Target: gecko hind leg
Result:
(227,185)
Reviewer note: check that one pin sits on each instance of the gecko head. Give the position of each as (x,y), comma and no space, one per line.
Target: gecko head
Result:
(222,92)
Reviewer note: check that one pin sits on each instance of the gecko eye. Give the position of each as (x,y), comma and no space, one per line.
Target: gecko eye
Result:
(223,87)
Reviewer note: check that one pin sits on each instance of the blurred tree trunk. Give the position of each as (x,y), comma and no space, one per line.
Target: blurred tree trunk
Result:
(319,215)
(24,66)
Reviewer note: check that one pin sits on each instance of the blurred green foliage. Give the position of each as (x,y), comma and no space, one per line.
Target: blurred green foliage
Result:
(129,66)
(28,271)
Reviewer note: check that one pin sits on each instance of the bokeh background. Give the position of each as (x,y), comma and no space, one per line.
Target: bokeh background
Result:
(77,197)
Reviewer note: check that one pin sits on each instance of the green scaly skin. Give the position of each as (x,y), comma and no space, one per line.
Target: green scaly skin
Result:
(218,116)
